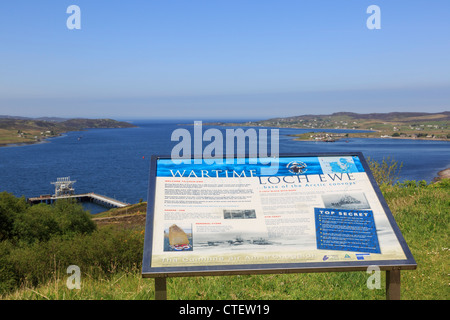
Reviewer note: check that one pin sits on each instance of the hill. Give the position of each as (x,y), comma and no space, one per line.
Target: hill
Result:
(130,217)
(20,130)
(412,125)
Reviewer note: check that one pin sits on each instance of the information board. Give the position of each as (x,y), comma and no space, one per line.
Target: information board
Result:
(315,211)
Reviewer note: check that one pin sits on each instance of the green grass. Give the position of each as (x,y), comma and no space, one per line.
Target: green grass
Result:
(422,214)
(137,208)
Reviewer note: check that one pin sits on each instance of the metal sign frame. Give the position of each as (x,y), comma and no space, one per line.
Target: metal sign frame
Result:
(330,266)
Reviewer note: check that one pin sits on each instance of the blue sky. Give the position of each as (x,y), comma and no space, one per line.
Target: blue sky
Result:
(204,59)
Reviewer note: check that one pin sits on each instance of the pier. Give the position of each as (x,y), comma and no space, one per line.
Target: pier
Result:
(64,190)
(85,197)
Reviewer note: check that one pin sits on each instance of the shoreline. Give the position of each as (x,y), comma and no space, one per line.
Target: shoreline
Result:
(324,130)
(29,143)
(441,175)
(21,144)
(35,131)
(48,138)
(393,138)
(359,135)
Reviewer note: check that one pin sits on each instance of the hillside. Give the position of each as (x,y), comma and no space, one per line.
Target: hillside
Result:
(412,125)
(130,217)
(19,130)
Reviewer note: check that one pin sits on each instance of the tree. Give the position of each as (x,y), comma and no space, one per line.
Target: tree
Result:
(10,207)
(72,218)
(22,222)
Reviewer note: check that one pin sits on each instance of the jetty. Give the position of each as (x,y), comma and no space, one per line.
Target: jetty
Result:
(64,190)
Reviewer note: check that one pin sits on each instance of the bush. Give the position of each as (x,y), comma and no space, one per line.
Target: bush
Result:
(39,242)
(8,278)
(441,184)
(422,135)
(412,184)
(22,222)
(99,254)
(387,172)
(10,207)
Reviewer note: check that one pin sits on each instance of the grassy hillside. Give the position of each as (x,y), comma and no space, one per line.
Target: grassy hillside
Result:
(412,125)
(24,130)
(110,260)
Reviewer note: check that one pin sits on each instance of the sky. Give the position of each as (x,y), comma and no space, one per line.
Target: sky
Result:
(222,59)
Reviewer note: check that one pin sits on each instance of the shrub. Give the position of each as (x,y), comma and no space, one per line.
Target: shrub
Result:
(98,255)
(39,242)
(22,222)
(441,184)
(35,240)
(387,172)
(412,184)
(10,206)
(8,278)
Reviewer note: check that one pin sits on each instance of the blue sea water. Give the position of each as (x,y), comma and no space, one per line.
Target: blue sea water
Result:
(115,162)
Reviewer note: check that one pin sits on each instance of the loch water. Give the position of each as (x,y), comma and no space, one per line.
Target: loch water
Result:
(115,162)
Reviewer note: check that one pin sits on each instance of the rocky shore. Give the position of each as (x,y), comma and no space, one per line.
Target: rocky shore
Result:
(444,174)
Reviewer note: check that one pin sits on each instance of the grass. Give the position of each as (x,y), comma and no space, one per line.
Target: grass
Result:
(137,208)
(422,214)
(131,286)
(10,136)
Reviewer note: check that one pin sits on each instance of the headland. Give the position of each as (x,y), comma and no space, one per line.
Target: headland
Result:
(392,125)
(21,131)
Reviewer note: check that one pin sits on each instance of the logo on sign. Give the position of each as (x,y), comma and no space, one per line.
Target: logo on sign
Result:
(297,167)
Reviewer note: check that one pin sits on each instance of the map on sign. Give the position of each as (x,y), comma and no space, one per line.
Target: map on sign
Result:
(315,210)
(337,164)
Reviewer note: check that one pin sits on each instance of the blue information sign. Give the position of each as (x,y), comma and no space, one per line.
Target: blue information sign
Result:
(293,213)
(346,230)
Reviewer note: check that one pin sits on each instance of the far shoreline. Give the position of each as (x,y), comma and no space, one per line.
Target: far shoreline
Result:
(392,138)
(41,141)
(324,131)
(48,138)
(42,130)
(441,175)
(22,144)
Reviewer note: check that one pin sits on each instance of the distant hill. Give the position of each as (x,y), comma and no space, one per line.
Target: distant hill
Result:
(393,124)
(390,117)
(338,118)
(19,130)
(56,119)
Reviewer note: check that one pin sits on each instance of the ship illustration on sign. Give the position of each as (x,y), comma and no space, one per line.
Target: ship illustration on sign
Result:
(345,200)
(356,200)
(178,239)
(236,241)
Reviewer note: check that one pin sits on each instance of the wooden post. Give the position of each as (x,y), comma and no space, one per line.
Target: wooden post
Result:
(393,284)
(160,288)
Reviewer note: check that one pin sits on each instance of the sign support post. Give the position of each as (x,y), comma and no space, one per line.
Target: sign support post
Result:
(160,288)
(393,284)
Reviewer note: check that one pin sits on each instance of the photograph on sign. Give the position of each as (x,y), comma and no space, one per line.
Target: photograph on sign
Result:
(314,209)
